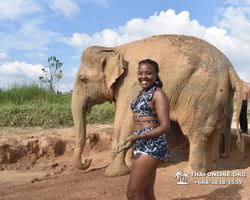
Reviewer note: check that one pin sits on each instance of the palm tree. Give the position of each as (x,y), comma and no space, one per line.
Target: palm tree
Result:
(185,176)
(179,175)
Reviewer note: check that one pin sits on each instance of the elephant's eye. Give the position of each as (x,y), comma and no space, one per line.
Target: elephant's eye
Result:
(84,80)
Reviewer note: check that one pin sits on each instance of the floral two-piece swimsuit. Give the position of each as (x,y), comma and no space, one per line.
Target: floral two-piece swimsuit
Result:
(157,146)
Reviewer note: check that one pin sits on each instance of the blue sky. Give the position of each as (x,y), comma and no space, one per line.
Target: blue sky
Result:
(33,30)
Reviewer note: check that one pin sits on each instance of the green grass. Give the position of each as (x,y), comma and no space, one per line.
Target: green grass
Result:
(103,114)
(19,94)
(29,105)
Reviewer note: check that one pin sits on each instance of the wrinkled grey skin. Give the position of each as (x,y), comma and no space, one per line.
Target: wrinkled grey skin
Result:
(198,79)
(225,142)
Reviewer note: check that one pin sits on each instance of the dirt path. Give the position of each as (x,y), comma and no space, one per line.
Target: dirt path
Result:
(60,180)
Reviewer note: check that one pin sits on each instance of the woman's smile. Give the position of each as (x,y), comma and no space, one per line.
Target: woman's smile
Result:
(146,76)
(144,82)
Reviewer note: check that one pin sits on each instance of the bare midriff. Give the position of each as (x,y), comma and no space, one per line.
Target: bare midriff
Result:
(143,125)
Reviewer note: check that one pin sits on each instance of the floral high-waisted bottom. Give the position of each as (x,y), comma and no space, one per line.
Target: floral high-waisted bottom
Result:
(156,147)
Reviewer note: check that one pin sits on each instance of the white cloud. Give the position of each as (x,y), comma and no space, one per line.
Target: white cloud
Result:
(76,56)
(70,74)
(236,2)
(245,75)
(30,36)
(73,72)
(106,38)
(104,3)
(164,23)
(20,70)
(36,54)
(65,88)
(4,57)
(22,25)
(69,8)
(235,20)
(236,42)
(12,72)
(13,9)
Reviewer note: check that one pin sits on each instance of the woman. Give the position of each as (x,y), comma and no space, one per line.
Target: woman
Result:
(151,120)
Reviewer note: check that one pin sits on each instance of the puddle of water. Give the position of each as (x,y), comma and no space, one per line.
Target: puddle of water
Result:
(15,176)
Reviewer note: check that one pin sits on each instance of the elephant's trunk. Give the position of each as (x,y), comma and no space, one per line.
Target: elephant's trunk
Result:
(79,118)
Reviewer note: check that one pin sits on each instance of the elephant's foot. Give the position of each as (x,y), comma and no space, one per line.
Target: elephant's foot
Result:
(211,167)
(188,169)
(194,167)
(117,169)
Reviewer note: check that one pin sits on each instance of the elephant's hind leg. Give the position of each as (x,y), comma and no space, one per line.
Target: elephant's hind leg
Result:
(197,155)
(212,150)
(197,152)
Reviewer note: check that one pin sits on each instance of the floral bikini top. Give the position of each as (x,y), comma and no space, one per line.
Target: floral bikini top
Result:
(140,105)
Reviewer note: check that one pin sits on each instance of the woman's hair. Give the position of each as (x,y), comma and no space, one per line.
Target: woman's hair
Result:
(156,67)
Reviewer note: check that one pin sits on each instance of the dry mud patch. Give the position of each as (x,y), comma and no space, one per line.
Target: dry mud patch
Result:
(36,163)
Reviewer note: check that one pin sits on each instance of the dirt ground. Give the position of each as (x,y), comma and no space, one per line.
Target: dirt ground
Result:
(36,163)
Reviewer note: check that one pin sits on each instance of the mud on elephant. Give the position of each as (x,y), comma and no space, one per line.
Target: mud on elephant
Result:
(198,79)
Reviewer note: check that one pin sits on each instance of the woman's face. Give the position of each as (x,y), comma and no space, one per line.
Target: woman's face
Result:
(146,76)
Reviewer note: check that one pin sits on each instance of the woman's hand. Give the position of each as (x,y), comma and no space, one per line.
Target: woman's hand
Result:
(126,144)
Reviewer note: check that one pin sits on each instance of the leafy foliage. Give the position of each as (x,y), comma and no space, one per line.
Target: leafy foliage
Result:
(53,74)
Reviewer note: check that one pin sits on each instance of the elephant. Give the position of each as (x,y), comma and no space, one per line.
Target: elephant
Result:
(198,79)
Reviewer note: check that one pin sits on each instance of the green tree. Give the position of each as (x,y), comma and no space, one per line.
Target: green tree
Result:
(53,74)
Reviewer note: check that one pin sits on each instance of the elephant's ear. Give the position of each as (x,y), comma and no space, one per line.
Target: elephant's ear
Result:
(112,65)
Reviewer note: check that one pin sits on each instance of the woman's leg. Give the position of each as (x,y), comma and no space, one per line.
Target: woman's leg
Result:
(149,192)
(142,176)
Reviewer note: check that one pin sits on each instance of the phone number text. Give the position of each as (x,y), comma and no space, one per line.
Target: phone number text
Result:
(218,182)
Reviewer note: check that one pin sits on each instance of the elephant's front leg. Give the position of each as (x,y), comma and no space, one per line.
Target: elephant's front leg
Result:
(122,129)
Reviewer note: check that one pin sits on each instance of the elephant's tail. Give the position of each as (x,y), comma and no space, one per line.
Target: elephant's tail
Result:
(237,87)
